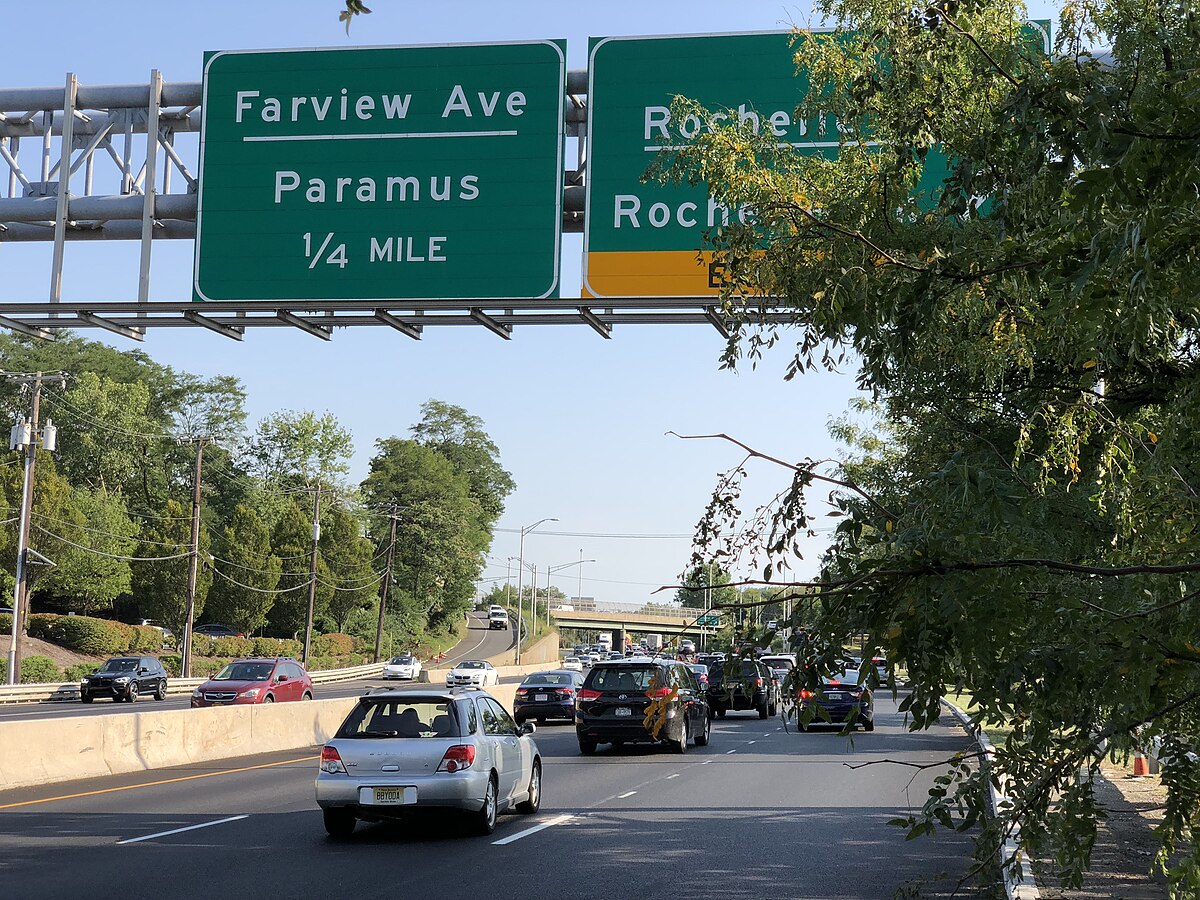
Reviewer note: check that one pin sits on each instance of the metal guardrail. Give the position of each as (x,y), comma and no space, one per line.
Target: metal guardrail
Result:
(68,691)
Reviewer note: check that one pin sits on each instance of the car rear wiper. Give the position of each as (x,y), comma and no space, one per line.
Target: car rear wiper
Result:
(379,734)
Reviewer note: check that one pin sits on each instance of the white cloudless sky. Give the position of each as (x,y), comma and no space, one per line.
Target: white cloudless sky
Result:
(580,421)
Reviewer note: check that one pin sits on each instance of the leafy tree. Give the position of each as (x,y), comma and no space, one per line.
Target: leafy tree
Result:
(1021,517)
(160,580)
(247,574)
(300,448)
(706,586)
(90,579)
(105,429)
(440,535)
(459,436)
(291,541)
(54,511)
(349,556)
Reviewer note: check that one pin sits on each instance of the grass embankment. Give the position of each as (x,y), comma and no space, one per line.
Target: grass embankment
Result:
(433,645)
(997,730)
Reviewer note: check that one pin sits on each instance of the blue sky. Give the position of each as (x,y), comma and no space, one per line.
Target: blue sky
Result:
(580,421)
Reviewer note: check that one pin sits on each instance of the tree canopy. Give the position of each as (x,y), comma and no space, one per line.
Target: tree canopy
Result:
(1018,506)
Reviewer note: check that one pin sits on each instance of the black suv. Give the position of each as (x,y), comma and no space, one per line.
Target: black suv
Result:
(124,678)
(611,706)
(742,684)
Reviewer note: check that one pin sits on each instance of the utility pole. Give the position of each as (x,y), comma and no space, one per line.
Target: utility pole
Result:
(189,615)
(26,435)
(521,575)
(312,573)
(387,580)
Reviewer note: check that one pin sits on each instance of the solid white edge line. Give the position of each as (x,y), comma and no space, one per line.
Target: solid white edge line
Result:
(150,837)
(626,794)
(558,820)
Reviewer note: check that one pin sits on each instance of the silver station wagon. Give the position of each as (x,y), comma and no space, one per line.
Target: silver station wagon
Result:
(399,751)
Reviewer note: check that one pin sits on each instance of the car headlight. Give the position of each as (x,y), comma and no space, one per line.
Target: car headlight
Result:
(121,678)
(197,693)
(250,694)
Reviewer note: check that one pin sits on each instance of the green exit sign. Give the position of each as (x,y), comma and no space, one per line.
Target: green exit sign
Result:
(710,619)
(381,173)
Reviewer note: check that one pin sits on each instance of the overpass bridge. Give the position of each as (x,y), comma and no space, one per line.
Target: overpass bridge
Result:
(618,624)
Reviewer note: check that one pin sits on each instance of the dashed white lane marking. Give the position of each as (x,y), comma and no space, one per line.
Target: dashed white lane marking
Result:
(727,752)
(557,820)
(626,794)
(751,742)
(669,777)
(706,762)
(150,837)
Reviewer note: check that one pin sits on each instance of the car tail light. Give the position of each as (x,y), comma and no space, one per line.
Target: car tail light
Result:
(589,694)
(331,762)
(457,758)
(521,692)
(565,693)
(659,692)
(834,681)
(806,695)
(758,682)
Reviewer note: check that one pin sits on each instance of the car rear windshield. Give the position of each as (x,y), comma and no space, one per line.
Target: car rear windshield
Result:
(548,678)
(623,678)
(779,662)
(401,717)
(246,671)
(718,668)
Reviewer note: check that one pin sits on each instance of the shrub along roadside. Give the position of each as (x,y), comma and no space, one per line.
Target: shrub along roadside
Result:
(34,670)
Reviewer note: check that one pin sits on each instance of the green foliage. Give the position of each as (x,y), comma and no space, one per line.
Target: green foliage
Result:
(276,647)
(1019,513)
(88,636)
(440,532)
(89,580)
(6,624)
(246,575)
(333,645)
(349,557)
(301,449)
(78,670)
(160,586)
(291,540)
(38,625)
(706,586)
(39,670)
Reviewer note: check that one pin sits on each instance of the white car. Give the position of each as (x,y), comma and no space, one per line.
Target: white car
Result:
(472,673)
(405,667)
(572,664)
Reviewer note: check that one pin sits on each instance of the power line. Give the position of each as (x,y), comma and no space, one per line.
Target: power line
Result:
(59,537)
(256,590)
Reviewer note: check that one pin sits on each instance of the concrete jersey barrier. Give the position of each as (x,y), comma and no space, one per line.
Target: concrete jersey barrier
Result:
(97,745)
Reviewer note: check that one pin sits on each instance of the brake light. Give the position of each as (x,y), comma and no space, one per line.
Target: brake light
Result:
(521,692)
(331,761)
(834,681)
(805,695)
(565,692)
(758,682)
(659,692)
(457,758)
(589,694)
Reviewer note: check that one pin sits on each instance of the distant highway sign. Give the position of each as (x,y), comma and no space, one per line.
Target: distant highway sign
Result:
(381,173)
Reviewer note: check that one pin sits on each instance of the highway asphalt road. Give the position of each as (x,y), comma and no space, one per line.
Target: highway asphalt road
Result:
(479,643)
(760,813)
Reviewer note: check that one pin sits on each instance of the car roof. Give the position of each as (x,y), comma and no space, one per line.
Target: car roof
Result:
(423,691)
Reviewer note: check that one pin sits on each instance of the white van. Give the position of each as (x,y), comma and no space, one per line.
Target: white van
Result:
(498,618)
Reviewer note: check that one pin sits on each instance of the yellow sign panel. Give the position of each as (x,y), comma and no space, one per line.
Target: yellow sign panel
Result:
(654,273)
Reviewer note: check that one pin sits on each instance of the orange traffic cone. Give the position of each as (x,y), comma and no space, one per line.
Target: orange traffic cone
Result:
(1141,767)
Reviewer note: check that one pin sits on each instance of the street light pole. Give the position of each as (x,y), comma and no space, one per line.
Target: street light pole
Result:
(549,569)
(521,576)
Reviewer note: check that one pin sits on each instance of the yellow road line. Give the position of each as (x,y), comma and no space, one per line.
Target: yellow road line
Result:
(130,787)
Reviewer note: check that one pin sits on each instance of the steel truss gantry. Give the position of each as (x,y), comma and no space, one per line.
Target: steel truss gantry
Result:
(99,162)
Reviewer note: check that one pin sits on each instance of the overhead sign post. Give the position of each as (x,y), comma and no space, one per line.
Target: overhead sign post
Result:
(382,173)
(646,239)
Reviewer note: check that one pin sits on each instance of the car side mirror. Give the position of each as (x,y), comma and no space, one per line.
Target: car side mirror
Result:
(143,671)
(280,678)
(527,728)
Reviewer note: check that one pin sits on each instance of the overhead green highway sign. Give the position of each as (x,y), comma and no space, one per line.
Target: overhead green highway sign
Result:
(381,173)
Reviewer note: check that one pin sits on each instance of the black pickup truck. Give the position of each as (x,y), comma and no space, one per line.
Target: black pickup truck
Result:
(742,684)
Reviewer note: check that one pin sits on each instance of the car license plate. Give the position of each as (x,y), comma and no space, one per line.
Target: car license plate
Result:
(835,696)
(622,711)
(392,796)
(541,698)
